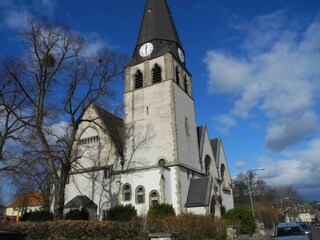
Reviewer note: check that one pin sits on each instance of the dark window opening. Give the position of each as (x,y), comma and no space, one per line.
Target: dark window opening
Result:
(138,79)
(177,76)
(126,192)
(156,74)
(107,173)
(140,195)
(186,84)
(162,163)
(154,198)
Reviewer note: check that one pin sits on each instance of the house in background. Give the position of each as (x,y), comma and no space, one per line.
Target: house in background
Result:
(25,203)
(156,153)
(306,213)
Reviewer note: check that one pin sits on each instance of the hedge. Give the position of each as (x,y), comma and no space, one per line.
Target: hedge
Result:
(188,226)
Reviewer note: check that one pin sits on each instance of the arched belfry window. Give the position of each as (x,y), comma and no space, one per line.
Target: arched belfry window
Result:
(154,198)
(126,192)
(140,195)
(177,75)
(138,79)
(186,84)
(156,74)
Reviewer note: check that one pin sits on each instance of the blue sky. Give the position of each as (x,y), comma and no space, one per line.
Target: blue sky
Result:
(255,67)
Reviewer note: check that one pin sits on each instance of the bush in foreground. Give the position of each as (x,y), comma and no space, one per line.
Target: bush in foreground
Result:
(243,217)
(76,214)
(37,216)
(161,210)
(122,213)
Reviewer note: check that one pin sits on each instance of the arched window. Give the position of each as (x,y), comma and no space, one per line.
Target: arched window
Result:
(177,76)
(154,198)
(126,192)
(186,84)
(207,162)
(140,195)
(156,74)
(162,163)
(138,79)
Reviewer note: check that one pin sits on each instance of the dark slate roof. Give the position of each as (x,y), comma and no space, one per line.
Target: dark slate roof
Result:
(199,192)
(114,126)
(80,201)
(157,27)
(214,145)
(201,134)
(157,23)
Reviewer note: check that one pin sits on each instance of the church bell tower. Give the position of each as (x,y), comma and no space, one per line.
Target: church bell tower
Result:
(159,107)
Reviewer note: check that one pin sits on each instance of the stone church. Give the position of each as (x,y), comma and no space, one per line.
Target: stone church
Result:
(156,153)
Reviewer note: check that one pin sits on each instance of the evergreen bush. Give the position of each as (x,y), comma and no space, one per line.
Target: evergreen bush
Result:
(76,214)
(122,213)
(161,210)
(37,216)
(243,216)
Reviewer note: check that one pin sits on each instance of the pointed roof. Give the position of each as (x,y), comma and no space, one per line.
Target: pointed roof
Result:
(31,199)
(199,192)
(80,201)
(114,126)
(157,23)
(157,27)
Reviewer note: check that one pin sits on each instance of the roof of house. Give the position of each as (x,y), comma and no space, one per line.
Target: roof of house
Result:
(199,192)
(114,125)
(32,199)
(80,201)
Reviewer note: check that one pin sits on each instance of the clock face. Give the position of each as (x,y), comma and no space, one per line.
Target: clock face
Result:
(181,55)
(146,49)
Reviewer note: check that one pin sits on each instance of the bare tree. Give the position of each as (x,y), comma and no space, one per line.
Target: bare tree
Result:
(59,79)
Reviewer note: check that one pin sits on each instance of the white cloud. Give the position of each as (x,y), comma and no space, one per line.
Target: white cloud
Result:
(16,13)
(241,164)
(298,168)
(278,75)
(95,44)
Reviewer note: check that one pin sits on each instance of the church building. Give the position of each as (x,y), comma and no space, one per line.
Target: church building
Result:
(156,153)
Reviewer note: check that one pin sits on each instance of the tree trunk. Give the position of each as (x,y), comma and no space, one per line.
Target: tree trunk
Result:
(59,193)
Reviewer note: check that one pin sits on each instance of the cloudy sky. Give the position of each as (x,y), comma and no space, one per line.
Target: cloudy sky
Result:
(255,67)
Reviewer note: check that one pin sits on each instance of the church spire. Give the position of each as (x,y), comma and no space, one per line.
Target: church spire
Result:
(157,28)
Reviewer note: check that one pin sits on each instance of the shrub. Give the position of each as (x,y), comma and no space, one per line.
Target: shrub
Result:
(37,216)
(243,216)
(76,214)
(161,210)
(189,226)
(122,213)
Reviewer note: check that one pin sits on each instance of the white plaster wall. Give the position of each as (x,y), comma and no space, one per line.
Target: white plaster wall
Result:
(207,150)
(197,210)
(188,152)
(150,180)
(227,193)
(103,192)
(148,113)
(94,154)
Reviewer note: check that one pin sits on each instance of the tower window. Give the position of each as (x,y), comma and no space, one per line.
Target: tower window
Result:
(156,74)
(126,192)
(177,76)
(186,124)
(186,84)
(107,173)
(154,198)
(138,79)
(140,195)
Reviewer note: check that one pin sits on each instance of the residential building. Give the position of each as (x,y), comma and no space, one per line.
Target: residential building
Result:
(25,203)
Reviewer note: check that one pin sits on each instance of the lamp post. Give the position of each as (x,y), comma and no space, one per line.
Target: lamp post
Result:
(249,177)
